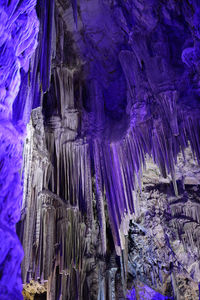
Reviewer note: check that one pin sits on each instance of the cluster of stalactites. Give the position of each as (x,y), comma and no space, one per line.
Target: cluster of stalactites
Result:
(118,167)
(57,224)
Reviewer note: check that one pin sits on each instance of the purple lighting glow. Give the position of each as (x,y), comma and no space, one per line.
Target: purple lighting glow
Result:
(18,40)
(146,293)
(107,93)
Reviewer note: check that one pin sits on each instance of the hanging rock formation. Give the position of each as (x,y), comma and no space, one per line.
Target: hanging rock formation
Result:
(110,84)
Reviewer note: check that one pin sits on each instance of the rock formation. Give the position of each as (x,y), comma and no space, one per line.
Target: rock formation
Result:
(111,156)
(18,40)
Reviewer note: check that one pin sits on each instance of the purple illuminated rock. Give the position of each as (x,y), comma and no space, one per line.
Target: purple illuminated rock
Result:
(116,81)
(18,40)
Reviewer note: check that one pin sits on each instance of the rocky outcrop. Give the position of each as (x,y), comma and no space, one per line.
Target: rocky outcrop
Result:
(163,247)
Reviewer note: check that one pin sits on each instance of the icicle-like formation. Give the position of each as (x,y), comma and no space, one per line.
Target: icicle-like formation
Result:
(34,176)
(44,52)
(66,89)
(121,164)
(117,170)
(56,231)
(100,194)
(59,217)
(74,6)
(85,166)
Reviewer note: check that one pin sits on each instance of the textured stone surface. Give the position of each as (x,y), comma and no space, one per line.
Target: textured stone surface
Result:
(164,243)
(115,81)
(18,40)
(33,289)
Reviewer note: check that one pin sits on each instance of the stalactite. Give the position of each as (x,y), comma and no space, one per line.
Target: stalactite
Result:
(45,49)
(74,6)
(100,195)
(92,155)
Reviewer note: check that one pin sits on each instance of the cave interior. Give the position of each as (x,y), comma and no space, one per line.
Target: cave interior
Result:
(99,149)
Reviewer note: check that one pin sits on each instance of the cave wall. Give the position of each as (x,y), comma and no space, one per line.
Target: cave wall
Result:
(123,85)
(18,39)
(110,82)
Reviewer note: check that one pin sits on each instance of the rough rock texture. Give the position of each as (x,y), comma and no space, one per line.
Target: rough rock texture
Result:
(164,242)
(115,81)
(18,40)
(34,290)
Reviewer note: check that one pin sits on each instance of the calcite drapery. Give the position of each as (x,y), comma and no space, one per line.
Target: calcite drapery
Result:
(18,40)
(123,84)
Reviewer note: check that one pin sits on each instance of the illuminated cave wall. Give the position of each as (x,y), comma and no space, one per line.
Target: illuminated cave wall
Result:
(18,39)
(110,84)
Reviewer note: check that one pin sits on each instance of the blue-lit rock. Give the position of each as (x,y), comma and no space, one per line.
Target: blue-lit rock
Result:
(142,292)
(116,81)
(18,40)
